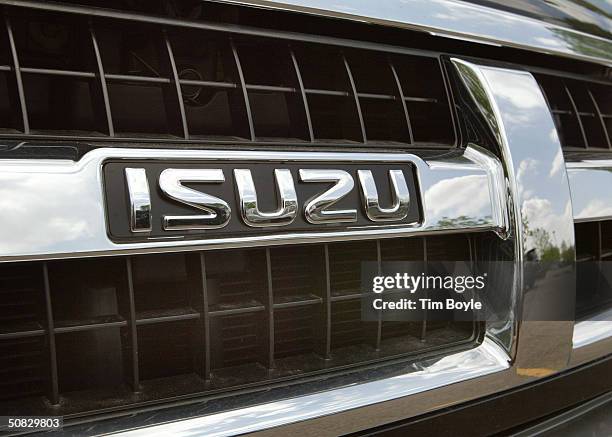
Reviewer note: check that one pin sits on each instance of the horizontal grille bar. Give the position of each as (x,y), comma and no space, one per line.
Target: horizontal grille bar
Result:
(202,322)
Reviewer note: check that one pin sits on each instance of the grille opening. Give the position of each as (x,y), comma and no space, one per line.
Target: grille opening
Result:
(57,64)
(61,103)
(594,256)
(423,88)
(179,324)
(89,359)
(580,110)
(139,75)
(329,93)
(380,98)
(21,302)
(210,85)
(24,372)
(165,285)
(168,349)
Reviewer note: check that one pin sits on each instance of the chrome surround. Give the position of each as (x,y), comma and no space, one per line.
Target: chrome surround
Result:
(216,212)
(459,20)
(249,210)
(46,189)
(510,355)
(512,104)
(369,194)
(484,360)
(140,200)
(317,210)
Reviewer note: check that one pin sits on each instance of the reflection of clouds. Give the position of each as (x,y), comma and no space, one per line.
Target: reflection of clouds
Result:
(459,196)
(596,208)
(557,164)
(540,214)
(527,166)
(44,212)
(511,87)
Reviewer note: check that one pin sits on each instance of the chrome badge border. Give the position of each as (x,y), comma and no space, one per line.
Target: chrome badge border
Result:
(48,189)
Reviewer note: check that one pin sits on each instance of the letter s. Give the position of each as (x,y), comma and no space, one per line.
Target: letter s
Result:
(216,211)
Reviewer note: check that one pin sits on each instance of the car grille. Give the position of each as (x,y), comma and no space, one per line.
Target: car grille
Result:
(581,109)
(593,254)
(88,334)
(68,76)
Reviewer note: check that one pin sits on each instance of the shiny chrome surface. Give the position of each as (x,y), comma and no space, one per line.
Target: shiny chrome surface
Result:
(486,359)
(592,338)
(590,181)
(216,212)
(369,193)
(249,209)
(46,189)
(318,209)
(512,105)
(456,19)
(140,199)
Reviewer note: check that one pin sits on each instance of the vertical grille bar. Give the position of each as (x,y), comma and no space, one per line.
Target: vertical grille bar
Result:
(20,91)
(245,93)
(328,304)
(601,120)
(379,272)
(356,97)
(51,338)
(177,85)
(270,309)
(401,96)
(205,317)
(298,74)
(102,79)
(424,324)
(575,108)
(132,326)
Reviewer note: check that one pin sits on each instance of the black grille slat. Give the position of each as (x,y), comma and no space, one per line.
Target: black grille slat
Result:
(579,111)
(140,80)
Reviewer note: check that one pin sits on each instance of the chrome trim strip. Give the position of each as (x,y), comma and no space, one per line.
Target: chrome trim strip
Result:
(592,338)
(61,203)
(486,359)
(590,182)
(460,20)
(598,327)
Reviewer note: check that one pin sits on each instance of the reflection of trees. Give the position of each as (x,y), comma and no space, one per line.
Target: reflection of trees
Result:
(542,242)
(583,44)
(462,221)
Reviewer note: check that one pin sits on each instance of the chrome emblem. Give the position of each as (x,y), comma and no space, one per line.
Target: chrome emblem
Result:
(215,213)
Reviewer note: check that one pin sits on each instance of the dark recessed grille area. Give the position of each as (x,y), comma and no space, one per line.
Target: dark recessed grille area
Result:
(582,111)
(88,334)
(594,268)
(72,76)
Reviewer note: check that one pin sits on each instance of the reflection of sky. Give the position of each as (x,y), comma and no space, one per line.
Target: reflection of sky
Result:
(461,196)
(591,192)
(536,155)
(461,18)
(42,211)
